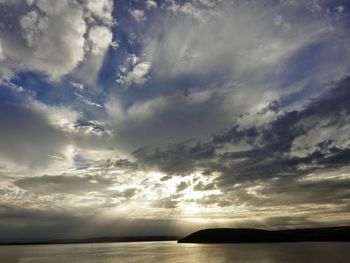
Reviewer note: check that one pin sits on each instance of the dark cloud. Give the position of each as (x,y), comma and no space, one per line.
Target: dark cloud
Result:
(88,185)
(215,199)
(289,192)
(200,186)
(181,186)
(269,162)
(171,118)
(27,137)
(130,192)
(270,144)
(273,106)
(124,164)
(63,184)
(178,158)
(168,203)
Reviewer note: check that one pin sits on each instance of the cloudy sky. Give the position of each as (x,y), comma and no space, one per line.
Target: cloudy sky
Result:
(133,117)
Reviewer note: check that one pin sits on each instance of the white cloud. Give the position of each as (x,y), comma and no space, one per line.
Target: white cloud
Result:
(61,117)
(138,74)
(55,34)
(30,2)
(192,9)
(318,131)
(144,111)
(101,9)
(54,39)
(32,27)
(190,47)
(243,45)
(139,112)
(87,101)
(139,15)
(51,7)
(77,85)
(101,38)
(134,72)
(151,4)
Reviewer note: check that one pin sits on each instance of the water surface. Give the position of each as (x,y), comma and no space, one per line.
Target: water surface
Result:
(175,253)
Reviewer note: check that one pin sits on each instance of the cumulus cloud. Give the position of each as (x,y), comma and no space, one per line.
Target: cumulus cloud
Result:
(100,38)
(101,9)
(138,73)
(50,35)
(133,72)
(53,35)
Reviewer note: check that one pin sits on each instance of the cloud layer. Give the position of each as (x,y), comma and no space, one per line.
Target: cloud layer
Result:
(172,116)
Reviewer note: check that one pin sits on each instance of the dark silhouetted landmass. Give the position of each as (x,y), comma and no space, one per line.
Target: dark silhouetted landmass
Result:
(246,235)
(99,240)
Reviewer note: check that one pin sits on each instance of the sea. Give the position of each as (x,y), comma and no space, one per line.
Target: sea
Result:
(158,252)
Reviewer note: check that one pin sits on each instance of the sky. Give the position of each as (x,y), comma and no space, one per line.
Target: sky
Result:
(161,117)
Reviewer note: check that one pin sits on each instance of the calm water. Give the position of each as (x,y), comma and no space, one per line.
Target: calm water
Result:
(176,253)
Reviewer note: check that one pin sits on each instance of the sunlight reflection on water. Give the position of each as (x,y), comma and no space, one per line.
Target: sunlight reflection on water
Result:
(175,253)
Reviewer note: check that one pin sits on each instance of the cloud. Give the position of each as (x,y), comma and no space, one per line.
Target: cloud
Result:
(186,47)
(35,136)
(314,6)
(151,4)
(53,35)
(207,78)
(182,186)
(100,38)
(101,9)
(167,203)
(48,185)
(134,72)
(268,173)
(178,159)
(278,21)
(207,110)
(27,136)
(139,15)
(200,186)
(52,46)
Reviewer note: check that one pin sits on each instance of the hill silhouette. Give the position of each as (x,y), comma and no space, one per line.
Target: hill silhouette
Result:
(247,235)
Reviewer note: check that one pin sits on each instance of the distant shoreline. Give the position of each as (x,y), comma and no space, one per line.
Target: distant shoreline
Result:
(248,235)
(96,240)
(219,235)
